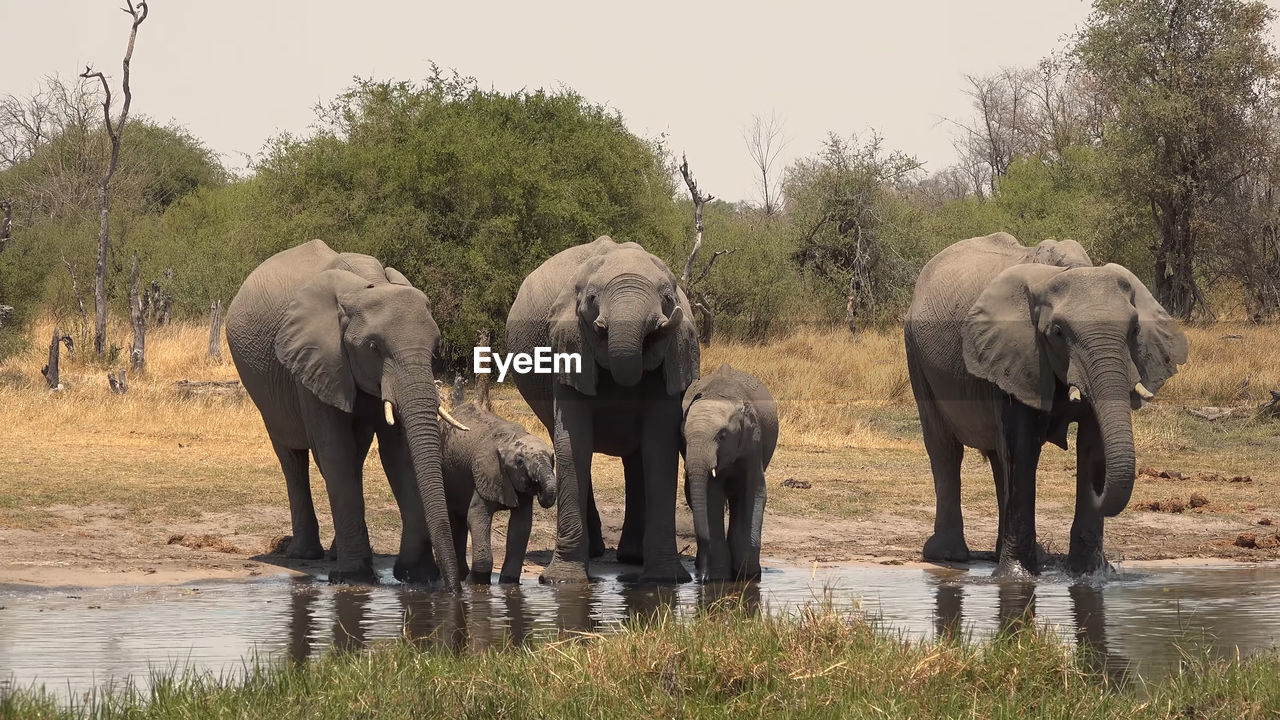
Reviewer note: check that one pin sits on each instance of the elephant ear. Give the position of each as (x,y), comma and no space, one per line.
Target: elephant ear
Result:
(571,330)
(680,366)
(395,277)
(1161,346)
(309,342)
(1000,339)
(486,469)
(752,419)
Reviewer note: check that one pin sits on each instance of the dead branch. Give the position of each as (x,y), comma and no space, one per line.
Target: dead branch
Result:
(50,371)
(137,355)
(139,14)
(699,200)
(482,379)
(707,270)
(188,389)
(6,223)
(215,330)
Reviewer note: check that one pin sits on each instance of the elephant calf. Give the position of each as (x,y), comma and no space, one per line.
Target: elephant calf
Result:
(730,430)
(494,465)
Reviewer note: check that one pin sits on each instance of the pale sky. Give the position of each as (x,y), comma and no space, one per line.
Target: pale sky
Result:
(235,72)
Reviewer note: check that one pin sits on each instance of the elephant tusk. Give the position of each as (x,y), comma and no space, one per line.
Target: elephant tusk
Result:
(1074,394)
(450,419)
(601,324)
(713,473)
(1143,392)
(386,410)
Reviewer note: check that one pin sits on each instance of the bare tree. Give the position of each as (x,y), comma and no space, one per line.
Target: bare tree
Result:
(75,293)
(6,223)
(138,355)
(705,317)
(215,330)
(765,142)
(482,379)
(139,14)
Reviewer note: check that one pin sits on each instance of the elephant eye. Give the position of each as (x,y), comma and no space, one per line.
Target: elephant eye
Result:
(520,460)
(1057,330)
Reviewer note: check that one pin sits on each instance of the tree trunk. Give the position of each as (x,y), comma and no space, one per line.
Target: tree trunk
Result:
(117,381)
(6,223)
(482,379)
(138,355)
(50,371)
(215,330)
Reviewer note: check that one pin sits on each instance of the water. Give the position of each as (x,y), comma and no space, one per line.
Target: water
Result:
(71,640)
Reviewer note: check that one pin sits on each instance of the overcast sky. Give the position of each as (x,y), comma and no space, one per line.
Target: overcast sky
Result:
(235,72)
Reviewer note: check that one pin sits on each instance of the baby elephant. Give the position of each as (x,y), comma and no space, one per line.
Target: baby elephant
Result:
(730,430)
(495,465)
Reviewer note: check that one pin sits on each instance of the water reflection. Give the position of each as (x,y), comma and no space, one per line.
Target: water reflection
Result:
(1130,625)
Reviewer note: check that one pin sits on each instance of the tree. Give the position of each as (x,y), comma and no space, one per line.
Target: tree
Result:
(139,14)
(706,317)
(765,142)
(844,206)
(1191,89)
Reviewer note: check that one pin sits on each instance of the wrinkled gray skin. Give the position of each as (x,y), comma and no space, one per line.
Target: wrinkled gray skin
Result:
(730,431)
(996,336)
(494,465)
(620,308)
(320,340)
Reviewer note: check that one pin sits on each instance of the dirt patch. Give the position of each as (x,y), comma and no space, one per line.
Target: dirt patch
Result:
(1252,541)
(204,542)
(1150,472)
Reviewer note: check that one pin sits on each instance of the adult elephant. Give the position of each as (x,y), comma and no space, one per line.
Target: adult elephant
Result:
(619,308)
(1006,346)
(334,348)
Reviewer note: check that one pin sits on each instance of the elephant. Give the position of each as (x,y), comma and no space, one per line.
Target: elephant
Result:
(496,464)
(730,430)
(621,311)
(333,348)
(1006,346)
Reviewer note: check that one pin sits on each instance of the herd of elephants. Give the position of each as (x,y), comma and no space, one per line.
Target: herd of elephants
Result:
(1006,346)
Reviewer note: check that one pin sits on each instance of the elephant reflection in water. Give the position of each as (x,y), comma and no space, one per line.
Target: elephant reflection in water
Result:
(350,618)
(735,597)
(430,619)
(498,617)
(575,608)
(302,617)
(646,604)
(1015,613)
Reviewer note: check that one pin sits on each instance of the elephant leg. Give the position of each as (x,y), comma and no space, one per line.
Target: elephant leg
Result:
(518,528)
(595,534)
(573,438)
(945,455)
(631,544)
(1002,489)
(1021,439)
(305,543)
(414,564)
(1085,553)
(458,527)
(480,523)
(746,521)
(660,443)
(332,436)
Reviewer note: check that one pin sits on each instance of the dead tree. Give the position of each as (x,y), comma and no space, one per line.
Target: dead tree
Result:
(6,223)
(114,131)
(765,142)
(215,330)
(138,355)
(117,382)
(482,379)
(706,318)
(50,371)
(75,293)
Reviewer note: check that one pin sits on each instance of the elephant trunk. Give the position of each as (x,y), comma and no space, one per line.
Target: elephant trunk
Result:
(417,403)
(698,470)
(630,316)
(1110,386)
(547,486)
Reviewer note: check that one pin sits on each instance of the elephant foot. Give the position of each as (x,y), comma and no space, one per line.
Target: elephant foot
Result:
(596,549)
(628,555)
(300,549)
(416,573)
(478,577)
(332,554)
(748,574)
(1089,564)
(946,547)
(669,572)
(508,580)
(1010,569)
(360,576)
(564,572)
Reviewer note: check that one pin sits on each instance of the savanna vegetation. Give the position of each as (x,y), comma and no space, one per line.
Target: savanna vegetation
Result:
(1152,138)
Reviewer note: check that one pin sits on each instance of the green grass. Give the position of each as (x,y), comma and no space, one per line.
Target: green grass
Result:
(817,663)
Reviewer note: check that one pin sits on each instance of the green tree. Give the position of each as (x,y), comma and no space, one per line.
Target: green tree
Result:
(1190,83)
(467,190)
